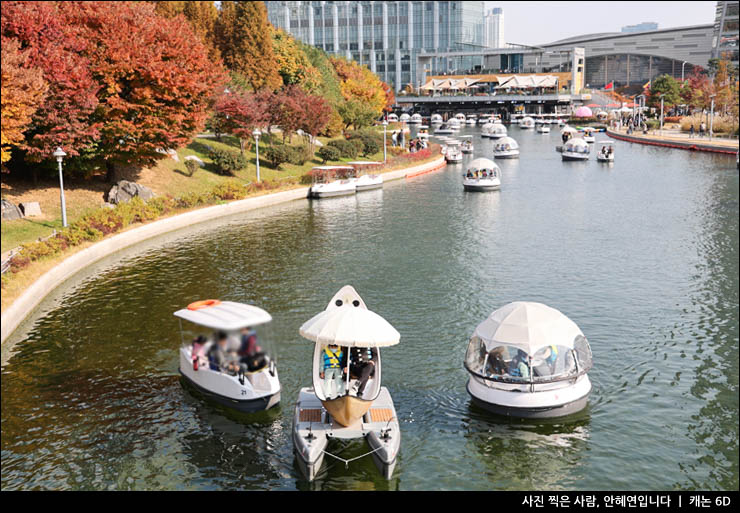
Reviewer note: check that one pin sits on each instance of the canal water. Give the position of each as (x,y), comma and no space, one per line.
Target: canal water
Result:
(641,254)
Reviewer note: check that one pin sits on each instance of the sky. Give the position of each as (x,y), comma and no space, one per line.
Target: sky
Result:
(545,22)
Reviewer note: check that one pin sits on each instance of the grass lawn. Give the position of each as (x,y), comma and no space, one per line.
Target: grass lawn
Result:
(167,177)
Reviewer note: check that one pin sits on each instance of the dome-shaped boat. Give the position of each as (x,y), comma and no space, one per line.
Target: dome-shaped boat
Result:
(482,175)
(527,122)
(436,119)
(506,148)
(529,360)
(404,118)
(494,131)
(415,119)
(576,149)
(392,118)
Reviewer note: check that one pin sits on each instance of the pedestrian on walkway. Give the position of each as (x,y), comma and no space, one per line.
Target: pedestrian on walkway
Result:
(691,131)
(702,129)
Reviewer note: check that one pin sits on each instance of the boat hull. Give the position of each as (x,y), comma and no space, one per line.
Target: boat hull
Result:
(535,405)
(507,155)
(571,157)
(347,409)
(244,406)
(481,188)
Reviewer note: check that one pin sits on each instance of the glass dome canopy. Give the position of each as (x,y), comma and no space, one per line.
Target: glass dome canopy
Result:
(528,343)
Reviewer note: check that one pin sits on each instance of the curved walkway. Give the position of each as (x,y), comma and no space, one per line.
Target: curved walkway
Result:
(676,140)
(22,307)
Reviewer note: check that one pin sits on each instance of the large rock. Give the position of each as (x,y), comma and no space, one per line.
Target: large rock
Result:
(124,191)
(31,209)
(10,211)
(198,160)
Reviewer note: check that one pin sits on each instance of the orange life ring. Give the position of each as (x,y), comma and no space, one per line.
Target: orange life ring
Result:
(203,304)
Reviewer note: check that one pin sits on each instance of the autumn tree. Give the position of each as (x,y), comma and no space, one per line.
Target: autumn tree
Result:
(64,117)
(363,93)
(157,82)
(201,16)
(240,112)
(293,65)
(243,36)
(315,116)
(723,87)
(23,89)
(390,97)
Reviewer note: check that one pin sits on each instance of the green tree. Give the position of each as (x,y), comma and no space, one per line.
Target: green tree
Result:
(243,36)
(664,85)
(356,113)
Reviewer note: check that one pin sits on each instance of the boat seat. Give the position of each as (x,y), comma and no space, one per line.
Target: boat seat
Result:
(310,415)
(381,414)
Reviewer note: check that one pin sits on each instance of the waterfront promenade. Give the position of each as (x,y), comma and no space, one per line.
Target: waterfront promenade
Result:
(673,138)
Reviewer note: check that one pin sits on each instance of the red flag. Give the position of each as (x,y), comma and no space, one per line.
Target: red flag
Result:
(610,85)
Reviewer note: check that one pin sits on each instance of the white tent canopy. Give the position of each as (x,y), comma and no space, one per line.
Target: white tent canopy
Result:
(226,316)
(526,81)
(527,326)
(350,326)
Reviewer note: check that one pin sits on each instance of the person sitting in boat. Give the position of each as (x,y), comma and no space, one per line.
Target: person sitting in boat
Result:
(331,370)
(222,359)
(250,353)
(470,174)
(518,365)
(198,352)
(362,367)
(496,365)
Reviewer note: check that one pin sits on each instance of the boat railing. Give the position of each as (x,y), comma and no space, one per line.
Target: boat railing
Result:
(579,370)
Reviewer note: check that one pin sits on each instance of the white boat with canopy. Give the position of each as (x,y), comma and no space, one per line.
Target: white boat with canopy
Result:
(543,128)
(423,132)
(436,119)
(248,382)
(576,149)
(495,131)
(444,129)
(366,176)
(527,122)
(404,118)
(415,119)
(392,118)
(460,117)
(506,148)
(454,124)
(588,134)
(453,154)
(529,360)
(467,144)
(347,334)
(606,153)
(482,175)
(329,181)
(484,119)
(472,119)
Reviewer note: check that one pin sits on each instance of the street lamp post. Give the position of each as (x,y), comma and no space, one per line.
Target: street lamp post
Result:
(256,135)
(385,154)
(711,118)
(661,113)
(682,65)
(59,154)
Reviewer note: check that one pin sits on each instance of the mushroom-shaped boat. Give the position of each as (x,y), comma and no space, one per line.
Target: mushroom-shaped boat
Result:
(482,175)
(576,149)
(529,360)
(527,122)
(347,336)
(506,148)
(248,387)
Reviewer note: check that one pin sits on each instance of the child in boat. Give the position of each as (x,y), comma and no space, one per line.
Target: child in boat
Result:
(331,371)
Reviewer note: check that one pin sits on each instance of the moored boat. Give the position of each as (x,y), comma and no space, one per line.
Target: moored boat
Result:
(329,181)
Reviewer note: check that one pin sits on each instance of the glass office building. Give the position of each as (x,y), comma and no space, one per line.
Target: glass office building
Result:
(726,27)
(384,36)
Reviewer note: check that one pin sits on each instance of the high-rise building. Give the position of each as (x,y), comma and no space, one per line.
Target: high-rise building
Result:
(725,39)
(385,36)
(641,27)
(494,28)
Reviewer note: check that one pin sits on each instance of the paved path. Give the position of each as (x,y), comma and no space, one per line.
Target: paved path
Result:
(676,139)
